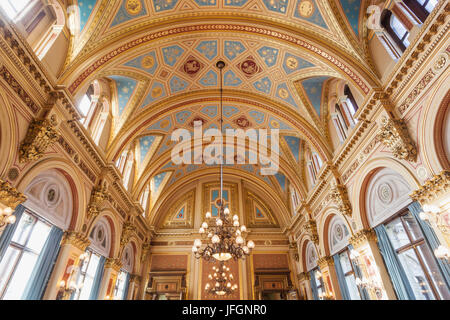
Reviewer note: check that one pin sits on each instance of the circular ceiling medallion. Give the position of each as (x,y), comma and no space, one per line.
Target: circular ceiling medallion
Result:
(156,92)
(291,63)
(249,67)
(133,6)
(191,66)
(283,93)
(306,8)
(148,62)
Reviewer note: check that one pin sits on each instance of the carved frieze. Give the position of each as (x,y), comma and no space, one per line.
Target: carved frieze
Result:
(9,196)
(394,135)
(98,195)
(433,188)
(362,237)
(326,261)
(77,239)
(310,228)
(340,196)
(127,230)
(41,135)
(113,263)
(145,251)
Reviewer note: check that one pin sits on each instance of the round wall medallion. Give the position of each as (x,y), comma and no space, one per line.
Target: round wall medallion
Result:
(385,193)
(13,173)
(291,63)
(306,8)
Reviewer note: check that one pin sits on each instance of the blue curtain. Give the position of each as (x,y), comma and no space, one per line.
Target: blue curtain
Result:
(44,266)
(127,285)
(341,278)
(9,230)
(313,285)
(98,279)
(358,274)
(431,239)
(394,268)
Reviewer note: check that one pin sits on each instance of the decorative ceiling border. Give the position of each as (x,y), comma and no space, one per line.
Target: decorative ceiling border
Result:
(223,27)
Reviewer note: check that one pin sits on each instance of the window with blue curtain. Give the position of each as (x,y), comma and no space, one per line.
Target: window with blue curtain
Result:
(346,275)
(26,245)
(121,286)
(313,284)
(414,271)
(90,276)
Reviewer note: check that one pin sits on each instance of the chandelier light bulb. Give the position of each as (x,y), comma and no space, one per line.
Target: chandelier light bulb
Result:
(250,244)
(201,230)
(208,215)
(236,223)
(210,235)
(219,222)
(215,239)
(228,269)
(238,232)
(226,211)
(207,286)
(217,284)
(198,243)
(229,285)
(204,225)
(246,250)
(209,277)
(235,217)
(243,228)
(7,211)
(194,249)
(239,240)
(231,276)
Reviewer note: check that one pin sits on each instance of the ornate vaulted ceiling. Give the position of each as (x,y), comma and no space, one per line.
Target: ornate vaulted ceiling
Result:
(160,56)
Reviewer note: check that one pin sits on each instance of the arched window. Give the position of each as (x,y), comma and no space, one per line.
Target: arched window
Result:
(340,123)
(85,104)
(421,8)
(89,275)
(144,199)
(128,169)
(395,28)
(295,201)
(15,8)
(29,247)
(123,278)
(351,102)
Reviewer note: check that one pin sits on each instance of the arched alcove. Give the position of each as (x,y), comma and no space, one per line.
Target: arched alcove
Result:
(49,195)
(387,192)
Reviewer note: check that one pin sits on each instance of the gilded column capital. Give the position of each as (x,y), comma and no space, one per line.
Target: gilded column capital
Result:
(98,195)
(127,231)
(303,276)
(362,237)
(135,278)
(326,261)
(340,196)
(433,188)
(310,228)
(113,263)
(393,133)
(40,135)
(145,251)
(9,196)
(76,239)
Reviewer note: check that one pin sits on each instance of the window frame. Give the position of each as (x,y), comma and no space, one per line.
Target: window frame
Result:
(22,248)
(352,271)
(413,244)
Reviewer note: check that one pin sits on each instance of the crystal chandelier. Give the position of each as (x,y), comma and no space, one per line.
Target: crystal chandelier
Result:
(221,282)
(225,237)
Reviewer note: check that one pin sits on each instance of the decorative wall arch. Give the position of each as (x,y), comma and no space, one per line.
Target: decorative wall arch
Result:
(101,237)
(8,134)
(359,188)
(79,202)
(433,142)
(327,222)
(386,193)
(49,195)
(128,258)
(311,256)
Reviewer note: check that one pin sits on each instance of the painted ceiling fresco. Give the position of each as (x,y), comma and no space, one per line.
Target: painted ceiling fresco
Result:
(156,52)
